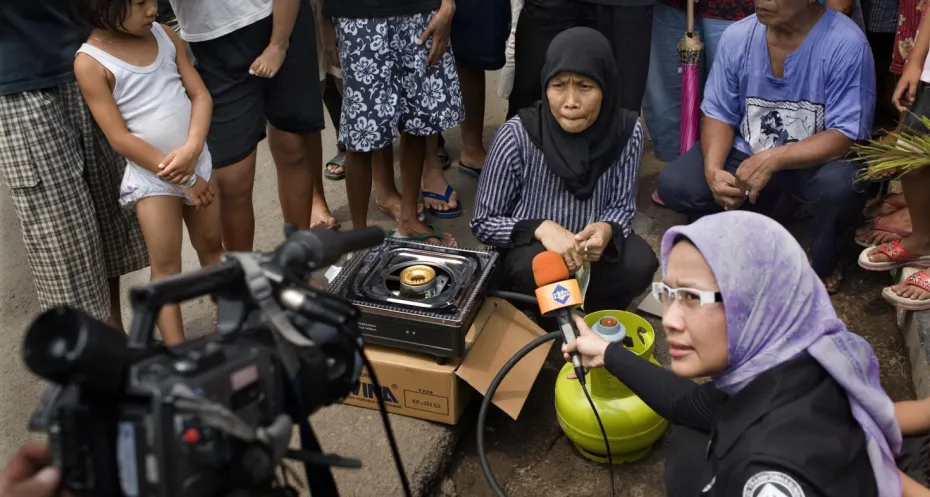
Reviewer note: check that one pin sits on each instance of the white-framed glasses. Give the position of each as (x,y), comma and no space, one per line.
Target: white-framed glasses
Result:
(689,297)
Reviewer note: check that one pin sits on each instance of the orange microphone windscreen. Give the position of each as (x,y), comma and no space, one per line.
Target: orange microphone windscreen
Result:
(548,267)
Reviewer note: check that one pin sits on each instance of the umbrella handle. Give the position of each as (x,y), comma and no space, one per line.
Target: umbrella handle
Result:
(690,15)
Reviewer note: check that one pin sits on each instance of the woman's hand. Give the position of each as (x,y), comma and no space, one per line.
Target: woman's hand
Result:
(590,346)
(178,166)
(558,239)
(594,239)
(906,91)
(30,473)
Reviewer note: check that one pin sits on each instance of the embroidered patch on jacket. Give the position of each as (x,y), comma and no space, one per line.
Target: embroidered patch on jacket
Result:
(772,484)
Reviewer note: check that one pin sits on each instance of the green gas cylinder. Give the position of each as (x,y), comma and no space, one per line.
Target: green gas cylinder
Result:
(632,427)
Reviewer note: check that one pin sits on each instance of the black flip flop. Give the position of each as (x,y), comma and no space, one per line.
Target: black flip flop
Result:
(471,172)
(338,160)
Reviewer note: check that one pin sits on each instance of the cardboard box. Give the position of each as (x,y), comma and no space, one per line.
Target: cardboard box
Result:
(415,385)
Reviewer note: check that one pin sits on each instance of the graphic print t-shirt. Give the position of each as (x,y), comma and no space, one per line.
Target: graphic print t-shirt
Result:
(828,82)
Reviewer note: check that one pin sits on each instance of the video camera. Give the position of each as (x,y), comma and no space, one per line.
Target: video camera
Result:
(214,415)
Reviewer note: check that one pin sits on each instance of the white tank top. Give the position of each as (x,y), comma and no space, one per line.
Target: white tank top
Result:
(203,20)
(151,99)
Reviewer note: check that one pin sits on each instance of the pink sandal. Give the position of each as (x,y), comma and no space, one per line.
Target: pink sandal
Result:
(899,258)
(655,198)
(918,279)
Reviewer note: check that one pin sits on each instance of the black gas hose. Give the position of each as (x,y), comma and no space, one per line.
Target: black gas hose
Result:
(486,405)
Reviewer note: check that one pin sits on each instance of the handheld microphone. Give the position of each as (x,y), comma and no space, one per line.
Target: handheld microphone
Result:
(556,294)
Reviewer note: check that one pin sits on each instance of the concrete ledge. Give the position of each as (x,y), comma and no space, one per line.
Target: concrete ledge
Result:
(354,432)
(915,326)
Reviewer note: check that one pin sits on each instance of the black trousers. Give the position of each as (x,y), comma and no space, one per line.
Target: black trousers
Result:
(613,285)
(629,30)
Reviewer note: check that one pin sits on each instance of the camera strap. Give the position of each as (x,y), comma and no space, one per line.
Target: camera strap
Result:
(263,294)
(319,479)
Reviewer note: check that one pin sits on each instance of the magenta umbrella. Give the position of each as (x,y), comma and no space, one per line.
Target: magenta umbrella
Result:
(689,50)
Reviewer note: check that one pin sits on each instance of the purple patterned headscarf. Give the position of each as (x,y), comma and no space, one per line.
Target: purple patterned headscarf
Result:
(776,308)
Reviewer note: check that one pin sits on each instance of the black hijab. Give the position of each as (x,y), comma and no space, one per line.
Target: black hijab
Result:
(581,158)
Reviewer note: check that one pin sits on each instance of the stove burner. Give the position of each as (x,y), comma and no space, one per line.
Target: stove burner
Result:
(420,281)
(417,275)
(416,296)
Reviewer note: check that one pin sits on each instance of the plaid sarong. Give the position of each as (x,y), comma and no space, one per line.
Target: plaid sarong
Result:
(64,181)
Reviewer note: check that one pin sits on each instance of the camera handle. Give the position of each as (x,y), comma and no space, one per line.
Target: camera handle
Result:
(301,253)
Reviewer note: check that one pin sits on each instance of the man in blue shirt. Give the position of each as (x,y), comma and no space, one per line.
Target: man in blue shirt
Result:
(63,176)
(791,88)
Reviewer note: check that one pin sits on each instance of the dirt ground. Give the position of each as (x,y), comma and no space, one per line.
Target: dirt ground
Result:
(531,457)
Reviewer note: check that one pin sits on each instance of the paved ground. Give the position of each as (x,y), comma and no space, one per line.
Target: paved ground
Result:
(529,456)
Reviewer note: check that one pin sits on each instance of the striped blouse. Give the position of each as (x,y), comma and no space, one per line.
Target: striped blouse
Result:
(516,185)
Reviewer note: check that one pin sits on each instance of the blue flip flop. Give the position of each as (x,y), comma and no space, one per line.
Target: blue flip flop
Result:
(449,214)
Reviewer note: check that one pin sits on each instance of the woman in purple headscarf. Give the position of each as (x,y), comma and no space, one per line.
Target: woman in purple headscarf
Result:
(794,407)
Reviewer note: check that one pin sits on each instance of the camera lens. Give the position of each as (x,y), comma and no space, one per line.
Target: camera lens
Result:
(65,345)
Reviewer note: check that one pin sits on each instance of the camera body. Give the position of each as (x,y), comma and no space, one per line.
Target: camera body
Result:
(211,416)
(162,448)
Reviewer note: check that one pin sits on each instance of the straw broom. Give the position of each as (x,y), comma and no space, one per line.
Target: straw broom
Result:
(901,153)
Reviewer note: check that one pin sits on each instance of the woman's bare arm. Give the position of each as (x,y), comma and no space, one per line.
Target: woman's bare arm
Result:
(93,81)
(913,416)
(910,488)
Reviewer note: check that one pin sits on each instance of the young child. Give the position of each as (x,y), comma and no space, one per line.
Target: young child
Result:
(154,110)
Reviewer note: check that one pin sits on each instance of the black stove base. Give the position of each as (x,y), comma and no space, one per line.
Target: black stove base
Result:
(408,333)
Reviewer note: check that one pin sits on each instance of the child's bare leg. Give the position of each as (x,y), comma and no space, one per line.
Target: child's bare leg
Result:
(283,17)
(358,186)
(160,220)
(413,150)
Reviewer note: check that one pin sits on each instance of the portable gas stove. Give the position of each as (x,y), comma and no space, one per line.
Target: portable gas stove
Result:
(416,296)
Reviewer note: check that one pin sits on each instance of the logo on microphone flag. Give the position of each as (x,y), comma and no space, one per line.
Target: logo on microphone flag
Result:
(560,294)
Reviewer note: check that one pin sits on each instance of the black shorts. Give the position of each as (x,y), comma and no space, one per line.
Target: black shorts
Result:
(243,104)
(480,29)
(920,108)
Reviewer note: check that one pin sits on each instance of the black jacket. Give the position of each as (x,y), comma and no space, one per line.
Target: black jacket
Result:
(789,433)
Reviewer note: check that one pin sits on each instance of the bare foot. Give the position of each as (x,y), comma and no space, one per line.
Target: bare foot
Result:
(435,181)
(416,227)
(335,169)
(884,229)
(911,244)
(910,291)
(833,282)
(473,158)
(321,217)
(268,63)
(390,205)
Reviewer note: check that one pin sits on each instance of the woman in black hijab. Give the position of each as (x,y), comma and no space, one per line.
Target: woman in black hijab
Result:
(562,175)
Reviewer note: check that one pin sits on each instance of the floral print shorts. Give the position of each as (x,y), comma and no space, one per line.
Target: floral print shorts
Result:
(388,86)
